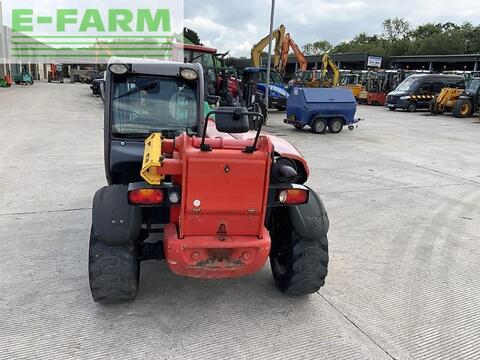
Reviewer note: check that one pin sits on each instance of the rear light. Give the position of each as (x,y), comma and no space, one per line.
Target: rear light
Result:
(292,196)
(146,196)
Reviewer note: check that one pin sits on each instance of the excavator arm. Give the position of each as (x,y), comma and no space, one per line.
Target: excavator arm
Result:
(278,35)
(327,63)
(287,44)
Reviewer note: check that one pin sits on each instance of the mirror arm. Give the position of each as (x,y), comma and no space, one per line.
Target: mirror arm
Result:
(248,149)
(203,146)
(253,148)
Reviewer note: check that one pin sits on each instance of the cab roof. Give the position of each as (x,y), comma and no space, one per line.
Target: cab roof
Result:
(155,67)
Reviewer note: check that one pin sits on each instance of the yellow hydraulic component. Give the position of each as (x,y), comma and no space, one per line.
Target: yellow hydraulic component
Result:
(352,82)
(327,63)
(320,78)
(278,35)
(152,159)
(445,100)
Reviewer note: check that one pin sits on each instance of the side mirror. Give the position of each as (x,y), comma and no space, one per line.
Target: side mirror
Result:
(231,120)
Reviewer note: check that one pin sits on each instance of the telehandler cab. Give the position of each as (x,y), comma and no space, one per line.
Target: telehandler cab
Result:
(197,190)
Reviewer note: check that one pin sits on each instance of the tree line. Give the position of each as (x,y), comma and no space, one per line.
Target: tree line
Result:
(400,38)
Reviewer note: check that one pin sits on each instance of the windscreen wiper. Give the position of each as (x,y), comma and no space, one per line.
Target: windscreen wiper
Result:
(136,90)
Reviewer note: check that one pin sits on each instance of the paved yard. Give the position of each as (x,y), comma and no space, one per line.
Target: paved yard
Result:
(403,196)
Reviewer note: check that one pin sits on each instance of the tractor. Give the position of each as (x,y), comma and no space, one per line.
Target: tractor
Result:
(227,86)
(277,91)
(197,189)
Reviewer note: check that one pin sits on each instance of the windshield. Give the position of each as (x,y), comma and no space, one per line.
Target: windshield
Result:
(408,84)
(473,86)
(145,104)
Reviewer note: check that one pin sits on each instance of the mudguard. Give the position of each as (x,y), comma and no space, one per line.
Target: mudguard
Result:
(310,218)
(114,221)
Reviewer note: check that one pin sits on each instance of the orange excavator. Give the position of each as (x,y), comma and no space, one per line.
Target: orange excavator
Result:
(289,43)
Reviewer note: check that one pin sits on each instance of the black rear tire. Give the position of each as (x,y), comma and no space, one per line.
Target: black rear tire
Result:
(113,272)
(299,264)
(114,262)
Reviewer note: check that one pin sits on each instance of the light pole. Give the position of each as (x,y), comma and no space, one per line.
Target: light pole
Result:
(269,57)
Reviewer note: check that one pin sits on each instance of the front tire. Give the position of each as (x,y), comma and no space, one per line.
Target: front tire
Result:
(462,108)
(412,107)
(299,263)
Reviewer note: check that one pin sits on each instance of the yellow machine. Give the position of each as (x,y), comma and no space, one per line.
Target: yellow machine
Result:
(445,101)
(279,36)
(352,81)
(328,76)
(363,96)
(321,78)
(327,63)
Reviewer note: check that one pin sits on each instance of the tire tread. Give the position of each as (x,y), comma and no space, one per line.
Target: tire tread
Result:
(113,272)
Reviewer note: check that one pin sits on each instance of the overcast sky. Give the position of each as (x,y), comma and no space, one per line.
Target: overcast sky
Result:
(237,25)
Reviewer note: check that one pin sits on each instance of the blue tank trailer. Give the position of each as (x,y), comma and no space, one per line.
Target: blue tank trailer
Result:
(322,109)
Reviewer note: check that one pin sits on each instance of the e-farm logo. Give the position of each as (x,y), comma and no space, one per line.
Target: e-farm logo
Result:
(96,34)
(23,20)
